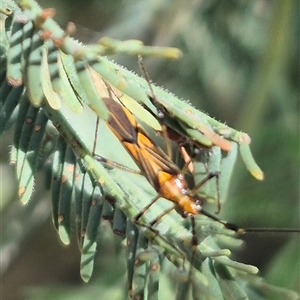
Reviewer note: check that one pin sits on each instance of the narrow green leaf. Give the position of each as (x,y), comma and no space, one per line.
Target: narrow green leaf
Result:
(34,73)
(140,275)
(22,148)
(132,234)
(250,163)
(26,178)
(66,90)
(14,73)
(154,272)
(230,288)
(227,165)
(90,238)
(79,180)
(88,83)
(57,171)
(49,93)
(108,211)
(66,196)
(209,272)
(23,108)
(87,198)
(27,38)
(11,101)
(119,222)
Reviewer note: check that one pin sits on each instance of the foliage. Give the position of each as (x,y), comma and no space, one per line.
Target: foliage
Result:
(130,198)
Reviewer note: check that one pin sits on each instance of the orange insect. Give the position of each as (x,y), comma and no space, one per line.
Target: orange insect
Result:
(162,173)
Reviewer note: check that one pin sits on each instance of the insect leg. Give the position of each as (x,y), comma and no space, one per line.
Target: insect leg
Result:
(209,176)
(113,164)
(106,161)
(162,214)
(138,216)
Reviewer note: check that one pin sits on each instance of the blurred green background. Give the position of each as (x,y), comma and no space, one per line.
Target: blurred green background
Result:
(241,66)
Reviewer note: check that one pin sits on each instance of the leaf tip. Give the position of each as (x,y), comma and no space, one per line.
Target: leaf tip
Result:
(258,174)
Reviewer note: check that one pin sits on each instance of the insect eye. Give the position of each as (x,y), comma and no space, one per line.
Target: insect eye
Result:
(180,176)
(160,114)
(184,214)
(198,203)
(196,151)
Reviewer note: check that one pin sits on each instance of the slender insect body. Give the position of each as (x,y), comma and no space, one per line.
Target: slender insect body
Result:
(158,168)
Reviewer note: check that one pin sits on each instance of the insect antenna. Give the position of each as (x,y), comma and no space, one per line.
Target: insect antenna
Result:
(95,137)
(160,110)
(272,230)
